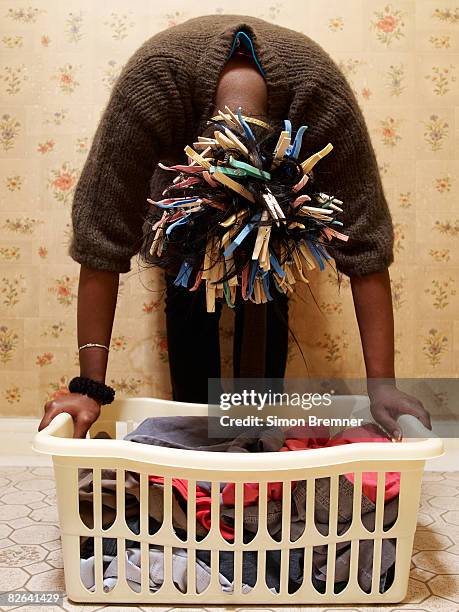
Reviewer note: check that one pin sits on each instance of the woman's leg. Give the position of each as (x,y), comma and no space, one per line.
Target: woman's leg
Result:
(276,336)
(193,342)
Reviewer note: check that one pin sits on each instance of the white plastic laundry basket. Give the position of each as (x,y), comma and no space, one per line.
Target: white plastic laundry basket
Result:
(407,457)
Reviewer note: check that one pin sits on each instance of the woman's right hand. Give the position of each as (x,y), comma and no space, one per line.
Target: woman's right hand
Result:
(83,409)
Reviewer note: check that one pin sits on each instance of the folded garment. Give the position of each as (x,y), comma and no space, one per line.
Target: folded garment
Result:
(191,433)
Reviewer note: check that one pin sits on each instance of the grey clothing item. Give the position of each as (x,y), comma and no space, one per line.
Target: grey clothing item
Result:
(191,433)
(156,571)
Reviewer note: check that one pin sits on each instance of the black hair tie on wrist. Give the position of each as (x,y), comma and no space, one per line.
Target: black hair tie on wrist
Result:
(98,391)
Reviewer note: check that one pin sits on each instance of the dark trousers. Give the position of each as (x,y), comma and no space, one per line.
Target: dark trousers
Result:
(194,343)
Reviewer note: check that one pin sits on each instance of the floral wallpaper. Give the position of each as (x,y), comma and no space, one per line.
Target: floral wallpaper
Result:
(58,63)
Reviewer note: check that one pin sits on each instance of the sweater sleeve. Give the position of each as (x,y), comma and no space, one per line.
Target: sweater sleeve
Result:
(350,172)
(110,197)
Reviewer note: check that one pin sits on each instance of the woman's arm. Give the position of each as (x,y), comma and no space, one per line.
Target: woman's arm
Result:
(97,297)
(373,308)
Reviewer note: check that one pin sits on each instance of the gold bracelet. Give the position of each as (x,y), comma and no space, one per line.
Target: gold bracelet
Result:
(89,344)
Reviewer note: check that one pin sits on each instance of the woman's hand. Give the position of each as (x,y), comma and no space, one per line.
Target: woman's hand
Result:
(83,409)
(387,403)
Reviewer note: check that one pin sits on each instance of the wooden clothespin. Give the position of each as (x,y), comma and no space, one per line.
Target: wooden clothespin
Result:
(197,158)
(226,180)
(282,145)
(309,163)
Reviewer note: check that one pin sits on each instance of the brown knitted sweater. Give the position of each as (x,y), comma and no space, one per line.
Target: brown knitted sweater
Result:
(161,102)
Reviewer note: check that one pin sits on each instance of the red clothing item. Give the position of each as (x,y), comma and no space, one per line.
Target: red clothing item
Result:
(369,433)
(203,503)
(319,437)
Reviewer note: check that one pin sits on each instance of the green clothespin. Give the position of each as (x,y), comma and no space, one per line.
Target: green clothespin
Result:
(228,171)
(251,170)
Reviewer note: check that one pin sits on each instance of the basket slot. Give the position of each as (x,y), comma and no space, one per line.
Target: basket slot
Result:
(387,527)
(367,562)
(322,553)
(391,572)
(338,587)
(324,499)
(85,506)
(373,476)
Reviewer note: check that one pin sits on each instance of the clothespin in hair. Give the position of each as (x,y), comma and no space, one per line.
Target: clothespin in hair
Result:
(234,117)
(273,206)
(226,180)
(237,143)
(263,230)
(309,163)
(282,145)
(197,158)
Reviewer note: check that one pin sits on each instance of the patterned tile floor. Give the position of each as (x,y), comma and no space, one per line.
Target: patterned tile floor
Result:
(31,558)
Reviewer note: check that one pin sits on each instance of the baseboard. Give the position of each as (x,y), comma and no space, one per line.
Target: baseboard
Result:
(16,436)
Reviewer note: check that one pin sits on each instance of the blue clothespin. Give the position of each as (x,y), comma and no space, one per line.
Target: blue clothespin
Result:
(316,254)
(242,234)
(275,264)
(295,148)
(322,251)
(245,125)
(243,38)
(176,204)
(288,127)
(182,278)
(265,280)
(180,221)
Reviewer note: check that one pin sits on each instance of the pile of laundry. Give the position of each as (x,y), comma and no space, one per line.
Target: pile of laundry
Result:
(191,433)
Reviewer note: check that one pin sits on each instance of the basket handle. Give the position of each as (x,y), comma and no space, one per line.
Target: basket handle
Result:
(412,427)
